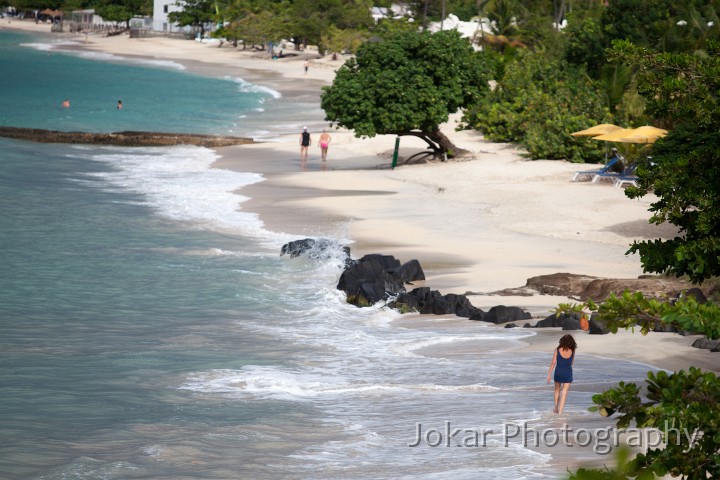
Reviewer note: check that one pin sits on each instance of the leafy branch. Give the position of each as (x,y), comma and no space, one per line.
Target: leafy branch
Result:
(629,310)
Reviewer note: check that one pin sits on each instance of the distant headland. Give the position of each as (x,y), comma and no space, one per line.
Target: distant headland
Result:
(126,139)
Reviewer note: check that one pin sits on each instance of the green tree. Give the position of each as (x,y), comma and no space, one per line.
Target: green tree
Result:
(312,18)
(194,13)
(121,11)
(256,29)
(406,84)
(684,407)
(658,26)
(506,16)
(585,40)
(115,13)
(348,40)
(390,26)
(537,102)
(681,91)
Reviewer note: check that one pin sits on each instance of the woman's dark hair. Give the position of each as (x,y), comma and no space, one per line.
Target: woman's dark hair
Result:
(567,341)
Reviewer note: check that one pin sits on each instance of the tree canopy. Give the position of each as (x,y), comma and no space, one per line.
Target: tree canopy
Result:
(195,13)
(536,103)
(123,10)
(681,90)
(406,84)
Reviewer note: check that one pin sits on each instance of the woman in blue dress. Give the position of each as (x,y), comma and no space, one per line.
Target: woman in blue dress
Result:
(562,361)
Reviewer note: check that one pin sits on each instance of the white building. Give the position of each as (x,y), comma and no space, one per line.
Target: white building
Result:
(466,29)
(396,11)
(161,8)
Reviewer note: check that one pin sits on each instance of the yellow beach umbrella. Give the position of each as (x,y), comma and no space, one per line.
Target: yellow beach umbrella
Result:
(645,134)
(602,129)
(614,136)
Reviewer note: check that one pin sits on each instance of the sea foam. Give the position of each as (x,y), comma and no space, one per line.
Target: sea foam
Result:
(179,183)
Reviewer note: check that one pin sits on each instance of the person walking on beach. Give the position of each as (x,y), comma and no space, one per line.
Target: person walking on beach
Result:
(306,65)
(304,144)
(562,361)
(324,143)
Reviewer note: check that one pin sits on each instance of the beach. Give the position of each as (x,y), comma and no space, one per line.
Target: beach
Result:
(477,225)
(145,286)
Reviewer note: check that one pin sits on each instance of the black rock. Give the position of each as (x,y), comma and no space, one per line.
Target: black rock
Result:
(409,271)
(459,304)
(552,321)
(405,302)
(424,300)
(571,323)
(370,280)
(503,314)
(386,262)
(477,314)
(663,327)
(597,328)
(707,344)
(695,293)
(320,248)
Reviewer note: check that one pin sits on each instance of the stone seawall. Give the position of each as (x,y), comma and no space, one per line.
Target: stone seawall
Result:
(125,139)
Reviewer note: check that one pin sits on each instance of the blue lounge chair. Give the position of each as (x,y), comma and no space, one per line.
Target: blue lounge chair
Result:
(629,172)
(624,180)
(589,174)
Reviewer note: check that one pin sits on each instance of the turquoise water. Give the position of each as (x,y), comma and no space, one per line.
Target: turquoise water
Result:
(153,99)
(38,74)
(149,328)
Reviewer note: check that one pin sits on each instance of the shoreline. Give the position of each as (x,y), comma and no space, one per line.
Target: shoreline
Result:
(478,225)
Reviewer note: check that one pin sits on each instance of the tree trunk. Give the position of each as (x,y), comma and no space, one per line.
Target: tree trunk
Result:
(439,143)
(446,146)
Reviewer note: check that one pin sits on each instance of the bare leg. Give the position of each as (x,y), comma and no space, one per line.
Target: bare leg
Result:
(563,396)
(556,396)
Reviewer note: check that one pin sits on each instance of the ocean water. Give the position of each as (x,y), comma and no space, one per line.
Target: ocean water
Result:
(150,329)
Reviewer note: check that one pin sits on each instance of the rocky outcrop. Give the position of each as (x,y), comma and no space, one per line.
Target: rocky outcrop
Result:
(503,314)
(572,322)
(560,284)
(125,139)
(424,300)
(706,344)
(376,278)
(597,328)
(371,279)
(410,271)
(320,248)
(583,287)
(552,321)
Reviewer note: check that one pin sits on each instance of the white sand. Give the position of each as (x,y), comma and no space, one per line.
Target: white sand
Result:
(478,225)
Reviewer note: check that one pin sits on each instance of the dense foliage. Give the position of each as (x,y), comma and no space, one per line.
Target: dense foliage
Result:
(406,84)
(681,90)
(631,310)
(683,408)
(536,103)
(194,13)
(679,83)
